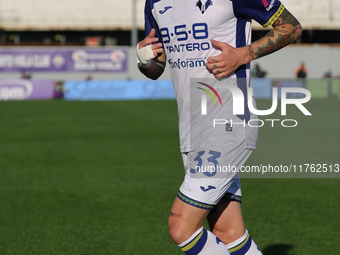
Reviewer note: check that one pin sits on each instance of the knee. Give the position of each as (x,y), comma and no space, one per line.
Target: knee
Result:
(228,235)
(176,234)
(175,231)
(178,231)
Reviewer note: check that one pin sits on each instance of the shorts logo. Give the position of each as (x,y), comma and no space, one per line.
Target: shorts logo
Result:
(207,189)
(204,97)
(203,7)
(165,9)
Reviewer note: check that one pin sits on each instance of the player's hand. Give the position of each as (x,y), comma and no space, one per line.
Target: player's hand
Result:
(225,63)
(151,40)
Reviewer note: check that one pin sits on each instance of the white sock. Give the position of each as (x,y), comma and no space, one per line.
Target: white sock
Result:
(244,246)
(203,242)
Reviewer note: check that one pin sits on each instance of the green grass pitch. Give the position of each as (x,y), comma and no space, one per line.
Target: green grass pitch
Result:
(95,178)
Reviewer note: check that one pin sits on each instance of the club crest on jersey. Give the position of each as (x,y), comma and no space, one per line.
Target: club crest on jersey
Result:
(203,7)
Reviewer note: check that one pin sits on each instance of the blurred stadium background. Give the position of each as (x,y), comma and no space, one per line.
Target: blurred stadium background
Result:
(56,25)
(88,168)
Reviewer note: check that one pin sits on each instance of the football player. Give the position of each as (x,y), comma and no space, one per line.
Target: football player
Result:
(206,42)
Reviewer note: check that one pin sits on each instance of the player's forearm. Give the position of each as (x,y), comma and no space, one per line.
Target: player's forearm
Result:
(287,29)
(155,70)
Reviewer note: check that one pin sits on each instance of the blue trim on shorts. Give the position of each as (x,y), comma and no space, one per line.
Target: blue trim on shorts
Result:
(201,205)
(234,197)
(193,202)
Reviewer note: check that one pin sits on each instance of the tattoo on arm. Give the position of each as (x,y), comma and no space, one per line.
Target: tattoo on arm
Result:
(271,34)
(287,29)
(287,18)
(251,52)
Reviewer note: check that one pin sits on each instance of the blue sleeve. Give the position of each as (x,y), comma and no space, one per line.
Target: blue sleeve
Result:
(150,21)
(264,12)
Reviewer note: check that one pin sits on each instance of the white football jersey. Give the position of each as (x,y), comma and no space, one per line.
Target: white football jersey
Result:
(185,27)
